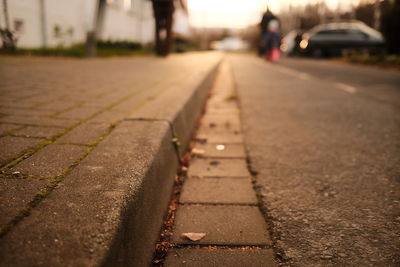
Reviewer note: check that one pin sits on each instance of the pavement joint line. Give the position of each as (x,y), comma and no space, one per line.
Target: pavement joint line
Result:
(221,246)
(72,144)
(53,182)
(217,177)
(32,125)
(10,133)
(28,96)
(199,203)
(220,157)
(24,154)
(54,114)
(25,177)
(27,136)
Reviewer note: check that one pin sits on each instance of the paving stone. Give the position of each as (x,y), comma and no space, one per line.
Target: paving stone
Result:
(78,113)
(12,146)
(218,168)
(220,124)
(50,161)
(213,257)
(222,191)
(222,150)
(223,225)
(15,194)
(86,133)
(6,128)
(37,131)
(220,120)
(221,129)
(220,138)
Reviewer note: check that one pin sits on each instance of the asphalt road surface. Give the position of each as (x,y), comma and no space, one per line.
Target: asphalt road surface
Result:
(324,139)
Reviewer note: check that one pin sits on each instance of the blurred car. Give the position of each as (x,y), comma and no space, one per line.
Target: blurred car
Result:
(290,43)
(230,44)
(337,38)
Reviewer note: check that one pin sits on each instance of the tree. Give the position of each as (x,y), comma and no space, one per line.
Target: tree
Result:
(91,37)
(390,25)
(7,36)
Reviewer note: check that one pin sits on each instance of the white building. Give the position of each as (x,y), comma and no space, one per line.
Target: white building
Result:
(50,23)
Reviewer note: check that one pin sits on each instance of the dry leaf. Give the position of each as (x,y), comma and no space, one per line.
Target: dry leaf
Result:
(184,169)
(196,151)
(194,236)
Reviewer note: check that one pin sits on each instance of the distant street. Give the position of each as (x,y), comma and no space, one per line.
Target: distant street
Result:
(324,138)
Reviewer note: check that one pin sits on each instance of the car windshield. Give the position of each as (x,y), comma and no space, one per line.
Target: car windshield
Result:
(345,28)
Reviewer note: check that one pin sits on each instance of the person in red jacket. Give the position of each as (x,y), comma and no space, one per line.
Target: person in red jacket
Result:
(270,37)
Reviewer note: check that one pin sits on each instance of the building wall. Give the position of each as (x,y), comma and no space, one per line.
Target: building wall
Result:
(134,22)
(67,22)
(27,12)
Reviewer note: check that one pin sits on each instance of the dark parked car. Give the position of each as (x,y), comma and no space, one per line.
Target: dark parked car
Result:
(337,38)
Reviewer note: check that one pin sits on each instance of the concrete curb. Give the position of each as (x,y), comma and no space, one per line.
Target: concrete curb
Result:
(109,209)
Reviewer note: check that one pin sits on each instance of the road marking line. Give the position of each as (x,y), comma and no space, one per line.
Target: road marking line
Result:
(304,76)
(347,88)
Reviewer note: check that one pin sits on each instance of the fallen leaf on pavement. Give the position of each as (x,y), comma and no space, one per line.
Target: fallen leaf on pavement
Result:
(214,163)
(194,236)
(196,151)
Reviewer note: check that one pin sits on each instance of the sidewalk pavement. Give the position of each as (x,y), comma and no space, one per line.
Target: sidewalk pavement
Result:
(87,156)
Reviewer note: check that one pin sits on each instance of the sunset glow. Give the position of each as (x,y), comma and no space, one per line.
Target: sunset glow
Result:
(241,13)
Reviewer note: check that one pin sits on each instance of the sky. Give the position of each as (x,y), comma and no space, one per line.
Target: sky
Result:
(241,13)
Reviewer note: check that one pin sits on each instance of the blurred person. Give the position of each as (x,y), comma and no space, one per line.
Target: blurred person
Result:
(163,14)
(163,11)
(271,38)
(266,19)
